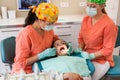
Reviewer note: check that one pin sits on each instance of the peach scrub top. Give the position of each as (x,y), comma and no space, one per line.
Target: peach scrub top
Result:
(30,43)
(100,37)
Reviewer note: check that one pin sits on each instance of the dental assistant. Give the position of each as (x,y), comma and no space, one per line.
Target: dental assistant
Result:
(97,37)
(34,42)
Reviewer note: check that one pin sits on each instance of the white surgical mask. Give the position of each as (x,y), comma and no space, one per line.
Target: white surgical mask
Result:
(91,11)
(47,28)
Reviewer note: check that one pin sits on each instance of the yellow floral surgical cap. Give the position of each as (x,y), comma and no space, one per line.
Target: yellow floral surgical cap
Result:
(47,12)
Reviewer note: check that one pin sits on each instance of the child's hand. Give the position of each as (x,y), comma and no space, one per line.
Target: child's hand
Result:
(72,76)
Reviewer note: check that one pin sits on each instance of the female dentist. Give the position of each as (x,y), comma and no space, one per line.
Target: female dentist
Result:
(97,37)
(34,42)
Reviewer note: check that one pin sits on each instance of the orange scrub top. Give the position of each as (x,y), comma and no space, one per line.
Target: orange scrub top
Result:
(99,37)
(30,43)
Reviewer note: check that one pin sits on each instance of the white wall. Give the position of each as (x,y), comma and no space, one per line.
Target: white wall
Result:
(113,10)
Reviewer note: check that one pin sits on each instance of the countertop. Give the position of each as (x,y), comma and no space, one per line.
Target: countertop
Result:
(20,20)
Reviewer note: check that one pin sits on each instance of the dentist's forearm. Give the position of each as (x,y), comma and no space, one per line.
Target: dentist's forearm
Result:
(31,60)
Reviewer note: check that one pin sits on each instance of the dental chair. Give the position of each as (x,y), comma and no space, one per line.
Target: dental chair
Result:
(114,72)
(7,49)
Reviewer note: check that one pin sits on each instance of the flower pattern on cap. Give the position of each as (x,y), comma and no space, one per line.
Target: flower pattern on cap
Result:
(47,12)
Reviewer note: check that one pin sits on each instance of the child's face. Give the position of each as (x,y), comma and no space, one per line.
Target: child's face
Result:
(61,47)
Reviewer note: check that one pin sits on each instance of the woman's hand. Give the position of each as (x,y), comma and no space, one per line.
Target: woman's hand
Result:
(77,50)
(69,45)
(72,76)
(86,55)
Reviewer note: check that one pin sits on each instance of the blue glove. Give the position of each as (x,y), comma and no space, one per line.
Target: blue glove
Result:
(77,50)
(47,53)
(87,56)
(69,45)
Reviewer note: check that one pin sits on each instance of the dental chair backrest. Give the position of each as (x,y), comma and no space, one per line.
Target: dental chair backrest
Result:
(7,48)
(118,38)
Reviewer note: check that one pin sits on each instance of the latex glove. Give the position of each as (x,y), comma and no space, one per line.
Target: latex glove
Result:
(77,50)
(47,53)
(86,55)
(69,45)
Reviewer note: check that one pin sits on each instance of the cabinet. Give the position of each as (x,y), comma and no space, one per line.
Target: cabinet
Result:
(4,33)
(7,32)
(68,32)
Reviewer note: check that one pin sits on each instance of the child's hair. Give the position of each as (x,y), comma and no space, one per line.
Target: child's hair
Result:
(62,40)
(30,19)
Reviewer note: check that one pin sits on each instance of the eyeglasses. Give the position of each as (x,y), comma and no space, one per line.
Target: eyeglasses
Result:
(47,23)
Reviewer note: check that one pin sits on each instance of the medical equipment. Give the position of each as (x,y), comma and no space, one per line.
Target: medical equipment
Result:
(51,75)
(36,71)
(42,76)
